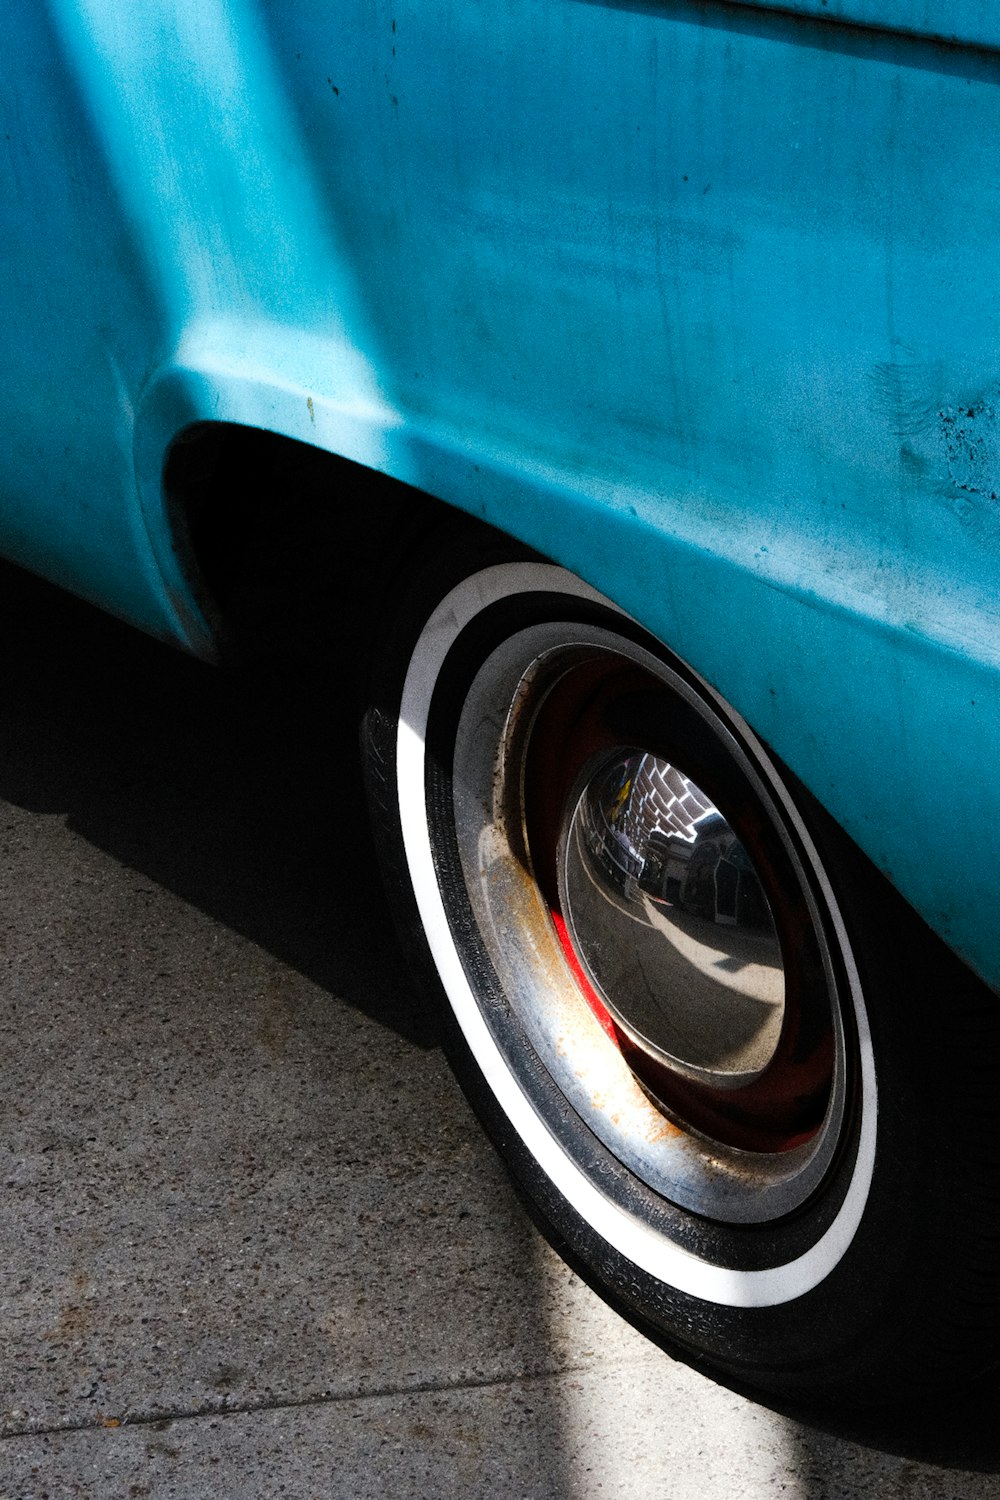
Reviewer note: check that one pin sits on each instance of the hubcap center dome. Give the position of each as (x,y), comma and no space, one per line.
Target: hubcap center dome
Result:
(670,922)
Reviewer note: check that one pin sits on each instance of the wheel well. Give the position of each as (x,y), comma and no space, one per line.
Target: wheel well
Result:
(290,550)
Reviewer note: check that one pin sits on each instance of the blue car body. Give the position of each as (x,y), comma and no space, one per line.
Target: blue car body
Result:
(697,299)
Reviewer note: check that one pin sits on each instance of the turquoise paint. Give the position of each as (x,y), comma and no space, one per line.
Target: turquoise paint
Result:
(698,299)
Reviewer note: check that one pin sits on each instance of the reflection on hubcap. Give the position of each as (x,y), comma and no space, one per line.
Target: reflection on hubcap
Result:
(670,922)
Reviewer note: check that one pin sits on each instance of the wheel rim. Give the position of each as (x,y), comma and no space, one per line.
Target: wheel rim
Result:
(510,926)
(546,721)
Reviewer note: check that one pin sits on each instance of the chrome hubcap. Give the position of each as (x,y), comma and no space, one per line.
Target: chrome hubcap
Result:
(650,919)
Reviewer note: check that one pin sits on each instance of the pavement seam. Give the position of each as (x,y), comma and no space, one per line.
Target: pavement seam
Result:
(153,1418)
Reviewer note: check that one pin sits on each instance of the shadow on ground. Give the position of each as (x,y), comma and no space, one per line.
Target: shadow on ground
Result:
(237,790)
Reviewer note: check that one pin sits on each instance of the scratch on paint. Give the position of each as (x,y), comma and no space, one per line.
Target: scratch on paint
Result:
(312,410)
(950,438)
(971,448)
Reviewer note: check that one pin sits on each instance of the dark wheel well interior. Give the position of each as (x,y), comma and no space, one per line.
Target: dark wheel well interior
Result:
(291,550)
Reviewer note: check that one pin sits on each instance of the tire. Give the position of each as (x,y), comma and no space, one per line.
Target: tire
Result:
(744,1087)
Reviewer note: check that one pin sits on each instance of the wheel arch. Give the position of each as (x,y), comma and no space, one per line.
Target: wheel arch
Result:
(883,719)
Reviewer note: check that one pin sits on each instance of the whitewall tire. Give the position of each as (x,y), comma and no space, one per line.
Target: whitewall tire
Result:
(661,992)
